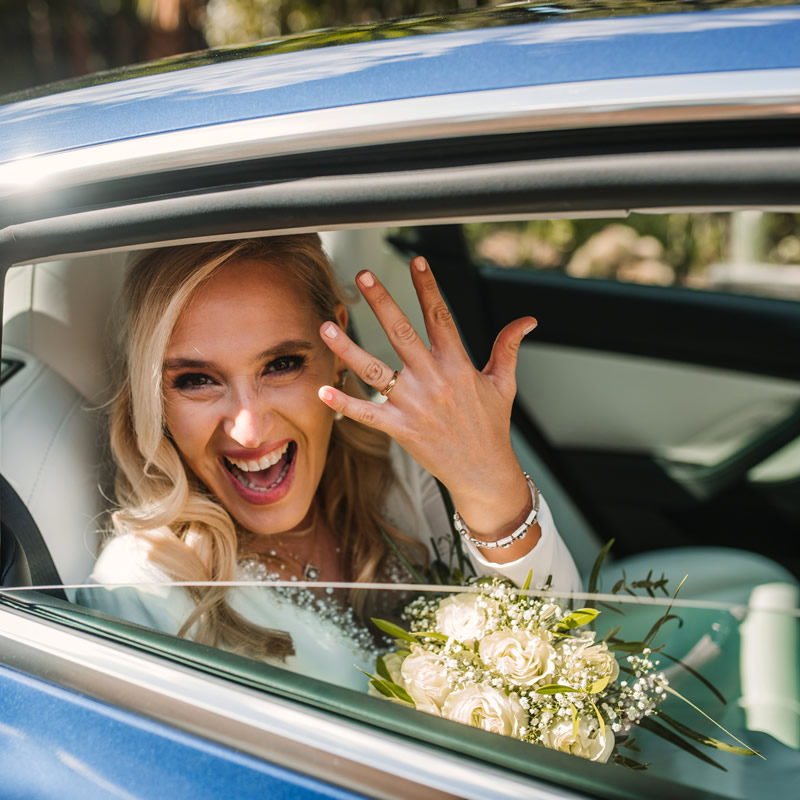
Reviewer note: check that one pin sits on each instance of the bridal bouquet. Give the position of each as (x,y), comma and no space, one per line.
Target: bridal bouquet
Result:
(519,664)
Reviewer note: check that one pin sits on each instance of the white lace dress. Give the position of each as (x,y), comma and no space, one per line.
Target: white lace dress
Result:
(327,641)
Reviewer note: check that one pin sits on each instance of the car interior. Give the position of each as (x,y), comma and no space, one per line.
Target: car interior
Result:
(658,408)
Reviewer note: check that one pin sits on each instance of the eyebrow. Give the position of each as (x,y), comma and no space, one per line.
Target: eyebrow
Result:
(281,349)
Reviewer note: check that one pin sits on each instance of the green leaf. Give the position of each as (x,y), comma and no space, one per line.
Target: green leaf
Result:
(629,762)
(527,584)
(378,685)
(649,724)
(380,668)
(627,647)
(401,556)
(554,688)
(705,681)
(598,686)
(387,688)
(709,741)
(439,637)
(575,721)
(595,574)
(660,622)
(710,719)
(657,627)
(583,616)
(395,631)
(600,719)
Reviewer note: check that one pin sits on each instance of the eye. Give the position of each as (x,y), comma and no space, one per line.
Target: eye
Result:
(192,380)
(285,364)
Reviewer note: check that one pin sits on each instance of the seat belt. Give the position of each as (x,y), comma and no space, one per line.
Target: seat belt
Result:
(18,520)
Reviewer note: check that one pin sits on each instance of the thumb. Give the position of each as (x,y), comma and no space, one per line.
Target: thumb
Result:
(503,359)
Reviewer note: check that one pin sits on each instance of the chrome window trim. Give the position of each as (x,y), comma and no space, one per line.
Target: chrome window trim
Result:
(302,739)
(629,101)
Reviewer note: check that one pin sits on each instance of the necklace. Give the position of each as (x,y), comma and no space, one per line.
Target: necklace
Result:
(291,561)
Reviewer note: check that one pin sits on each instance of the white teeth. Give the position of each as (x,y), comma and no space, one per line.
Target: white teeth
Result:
(269,460)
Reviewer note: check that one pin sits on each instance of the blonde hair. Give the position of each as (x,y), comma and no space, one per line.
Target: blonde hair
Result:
(191,536)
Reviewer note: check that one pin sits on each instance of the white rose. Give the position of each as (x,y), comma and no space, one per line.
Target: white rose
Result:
(464,616)
(425,680)
(521,656)
(588,742)
(593,657)
(487,708)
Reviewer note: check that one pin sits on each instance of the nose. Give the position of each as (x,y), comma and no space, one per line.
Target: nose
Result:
(249,424)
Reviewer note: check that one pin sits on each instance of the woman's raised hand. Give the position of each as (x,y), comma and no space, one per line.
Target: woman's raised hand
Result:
(452,419)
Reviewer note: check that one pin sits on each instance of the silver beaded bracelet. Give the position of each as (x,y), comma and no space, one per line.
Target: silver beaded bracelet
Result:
(506,541)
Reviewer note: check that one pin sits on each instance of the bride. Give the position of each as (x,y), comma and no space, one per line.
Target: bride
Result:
(246,450)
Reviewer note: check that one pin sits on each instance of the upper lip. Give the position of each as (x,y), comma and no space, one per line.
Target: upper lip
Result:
(255,455)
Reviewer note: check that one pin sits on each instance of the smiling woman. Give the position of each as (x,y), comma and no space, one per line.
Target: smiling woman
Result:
(247,450)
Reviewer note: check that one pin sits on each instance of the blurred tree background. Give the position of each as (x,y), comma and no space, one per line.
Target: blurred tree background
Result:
(48,40)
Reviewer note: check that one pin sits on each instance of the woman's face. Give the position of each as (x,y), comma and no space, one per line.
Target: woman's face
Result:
(241,374)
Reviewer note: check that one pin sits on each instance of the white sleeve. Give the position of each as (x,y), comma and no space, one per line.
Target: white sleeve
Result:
(550,556)
(131,587)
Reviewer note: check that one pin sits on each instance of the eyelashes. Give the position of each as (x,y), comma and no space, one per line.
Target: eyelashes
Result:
(282,366)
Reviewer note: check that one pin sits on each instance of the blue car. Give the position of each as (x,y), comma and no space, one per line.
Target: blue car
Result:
(630,174)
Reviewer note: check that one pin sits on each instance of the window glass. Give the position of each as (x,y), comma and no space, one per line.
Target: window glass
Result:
(747,252)
(738,663)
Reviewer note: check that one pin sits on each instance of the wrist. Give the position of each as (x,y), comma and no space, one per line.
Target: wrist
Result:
(504,534)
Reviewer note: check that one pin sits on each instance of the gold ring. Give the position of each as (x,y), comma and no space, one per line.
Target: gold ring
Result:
(389,386)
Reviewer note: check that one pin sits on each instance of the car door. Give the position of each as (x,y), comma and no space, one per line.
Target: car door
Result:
(670,413)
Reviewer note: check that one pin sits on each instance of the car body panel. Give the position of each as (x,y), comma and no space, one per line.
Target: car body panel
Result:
(560,52)
(58,743)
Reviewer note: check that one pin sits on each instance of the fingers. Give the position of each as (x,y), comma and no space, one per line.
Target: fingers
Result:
(503,359)
(402,336)
(439,323)
(371,370)
(363,411)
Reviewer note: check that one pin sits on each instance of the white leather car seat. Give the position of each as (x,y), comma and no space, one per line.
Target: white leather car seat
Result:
(51,453)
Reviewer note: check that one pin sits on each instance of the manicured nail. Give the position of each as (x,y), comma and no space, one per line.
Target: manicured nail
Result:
(326,394)
(530,328)
(330,330)
(420,264)
(366,278)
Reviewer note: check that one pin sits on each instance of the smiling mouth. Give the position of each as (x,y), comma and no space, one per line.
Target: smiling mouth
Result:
(266,474)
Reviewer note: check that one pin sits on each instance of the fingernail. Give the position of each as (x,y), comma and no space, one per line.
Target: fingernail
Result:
(329,329)
(326,394)
(366,278)
(530,328)
(420,264)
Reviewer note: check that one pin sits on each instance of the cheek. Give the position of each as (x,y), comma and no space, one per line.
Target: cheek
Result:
(188,426)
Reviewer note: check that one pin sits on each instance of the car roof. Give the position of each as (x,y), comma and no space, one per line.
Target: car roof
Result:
(569,44)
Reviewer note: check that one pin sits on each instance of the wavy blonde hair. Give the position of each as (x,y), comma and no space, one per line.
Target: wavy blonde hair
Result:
(191,536)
